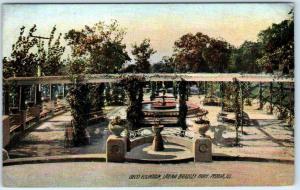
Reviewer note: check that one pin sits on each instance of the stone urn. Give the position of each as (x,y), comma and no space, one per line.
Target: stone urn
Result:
(202,127)
(117,126)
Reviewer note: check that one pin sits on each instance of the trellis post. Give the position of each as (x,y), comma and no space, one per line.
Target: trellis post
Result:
(6,99)
(291,106)
(50,91)
(281,100)
(271,98)
(260,96)
(237,109)
(242,106)
(222,95)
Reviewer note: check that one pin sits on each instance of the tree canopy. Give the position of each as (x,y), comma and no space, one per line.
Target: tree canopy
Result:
(142,54)
(278,46)
(29,53)
(201,53)
(101,45)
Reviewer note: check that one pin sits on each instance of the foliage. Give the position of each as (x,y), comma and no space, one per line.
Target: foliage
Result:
(108,97)
(50,60)
(117,95)
(201,53)
(182,104)
(142,55)
(153,90)
(278,46)
(217,54)
(175,89)
(166,65)
(118,121)
(23,61)
(237,108)
(99,98)
(243,59)
(80,107)
(134,87)
(102,45)
(29,52)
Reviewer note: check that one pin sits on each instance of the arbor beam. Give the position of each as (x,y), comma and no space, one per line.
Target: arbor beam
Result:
(107,78)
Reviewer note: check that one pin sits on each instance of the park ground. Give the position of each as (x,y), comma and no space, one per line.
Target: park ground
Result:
(266,138)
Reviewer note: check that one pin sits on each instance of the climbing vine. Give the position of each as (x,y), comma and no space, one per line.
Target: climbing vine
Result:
(134,87)
(80,107)
(182,104)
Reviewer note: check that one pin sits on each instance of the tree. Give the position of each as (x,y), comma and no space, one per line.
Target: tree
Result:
(243,59)
(102,45)
(50,59)
(78,98)
(166,65)
(23,60)
(278,46)
(134,88)
(217,55)
(188,52)
(200,53)
(142,55)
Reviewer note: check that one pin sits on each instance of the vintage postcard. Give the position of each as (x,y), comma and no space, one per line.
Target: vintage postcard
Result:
(139,95)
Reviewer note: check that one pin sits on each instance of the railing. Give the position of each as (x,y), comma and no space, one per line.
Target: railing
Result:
(146,132)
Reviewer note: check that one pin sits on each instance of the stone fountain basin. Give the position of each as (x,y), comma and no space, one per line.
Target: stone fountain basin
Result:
(159,105)
(177,149)
(149,110)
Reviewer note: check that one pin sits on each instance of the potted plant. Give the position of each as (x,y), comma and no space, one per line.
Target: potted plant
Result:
(117,126)
(202,126)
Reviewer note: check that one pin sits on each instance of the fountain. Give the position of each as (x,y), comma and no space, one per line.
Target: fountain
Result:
(165,107)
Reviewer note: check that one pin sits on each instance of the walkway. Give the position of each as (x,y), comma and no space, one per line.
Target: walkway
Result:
(267,137)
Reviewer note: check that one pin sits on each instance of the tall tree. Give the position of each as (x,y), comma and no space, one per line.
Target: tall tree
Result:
(243,59)
(201,53)
(166,65)
(23,60)
(50,57)
(142,55)
(188,52)
(278,46)
(217,54)
(103,49)
(102,45)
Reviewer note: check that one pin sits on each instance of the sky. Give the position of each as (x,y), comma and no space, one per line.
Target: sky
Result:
(163,24)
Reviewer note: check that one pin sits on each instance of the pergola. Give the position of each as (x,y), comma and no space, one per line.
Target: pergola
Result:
(260,79)
(111,78)
(263,81)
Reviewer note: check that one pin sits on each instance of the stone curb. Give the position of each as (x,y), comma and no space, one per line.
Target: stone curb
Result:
(56,159)
(102,158)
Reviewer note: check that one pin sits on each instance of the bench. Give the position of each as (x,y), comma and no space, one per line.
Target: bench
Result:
(15,122)
(96,117)
(46,109)
(59,108)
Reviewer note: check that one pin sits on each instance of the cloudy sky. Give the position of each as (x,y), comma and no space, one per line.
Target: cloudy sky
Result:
(162,23)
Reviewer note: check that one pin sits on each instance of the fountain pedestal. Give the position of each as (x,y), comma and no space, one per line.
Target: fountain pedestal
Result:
(158,143)
(202,149)
(116,148)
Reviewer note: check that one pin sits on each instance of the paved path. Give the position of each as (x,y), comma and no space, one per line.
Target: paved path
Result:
(99,174)
(266,138)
